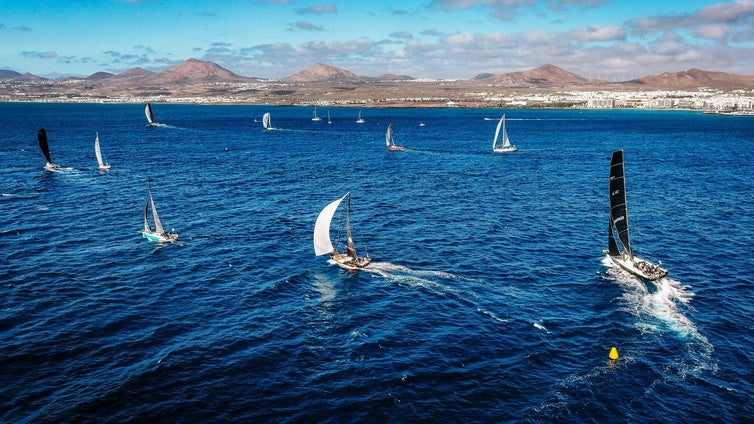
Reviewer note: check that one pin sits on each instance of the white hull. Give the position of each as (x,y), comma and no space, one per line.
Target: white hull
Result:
(640,267)
(505,149)
(159,238)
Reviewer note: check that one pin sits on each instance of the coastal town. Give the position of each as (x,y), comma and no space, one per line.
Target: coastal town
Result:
(201,82)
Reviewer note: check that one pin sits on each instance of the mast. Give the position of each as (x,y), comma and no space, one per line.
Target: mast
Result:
(618,210)
(350,248)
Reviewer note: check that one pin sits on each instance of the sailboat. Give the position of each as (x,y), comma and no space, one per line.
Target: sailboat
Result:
(359,120)
(389,139)
(624,256)
(159,234)
(328,117)
(506,145)
(316,118)
(323,244)
(42,138)
(150,116)
(98,153)
(266,122)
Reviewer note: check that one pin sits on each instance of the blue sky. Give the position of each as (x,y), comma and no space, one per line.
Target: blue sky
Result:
(423,39)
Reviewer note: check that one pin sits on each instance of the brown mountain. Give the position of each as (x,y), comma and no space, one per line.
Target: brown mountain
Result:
(319,72)
(135,73)
(27,77)
(393,77)
(696,78)
(196,71)
(542,77)
(99,76)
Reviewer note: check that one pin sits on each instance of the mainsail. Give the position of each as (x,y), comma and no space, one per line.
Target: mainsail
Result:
(42,138)
(157,224)
(266,123)
(322,243)
(389,135)
(148,112)
(98,153)
(618,212)
(501,126)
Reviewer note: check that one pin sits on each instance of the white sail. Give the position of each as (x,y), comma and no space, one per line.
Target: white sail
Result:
(315,117)
(266,123)
(497,131)
(98,153)
(148,112)
(322,243)
(157,224)
(505,145)
(389,135)
(359,120)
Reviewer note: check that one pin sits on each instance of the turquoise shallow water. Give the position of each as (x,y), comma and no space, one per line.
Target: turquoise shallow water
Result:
(488,300)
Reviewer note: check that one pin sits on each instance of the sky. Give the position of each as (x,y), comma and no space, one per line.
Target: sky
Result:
(448,39)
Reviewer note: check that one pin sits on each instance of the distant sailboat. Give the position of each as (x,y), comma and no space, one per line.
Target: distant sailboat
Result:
(158,234)
(150,116)
(323,244)
(43,146)
(506,145)
(328,117)
(316,118)
(390,141)
(267,122)
(624,257)
(359,120)
(98,153)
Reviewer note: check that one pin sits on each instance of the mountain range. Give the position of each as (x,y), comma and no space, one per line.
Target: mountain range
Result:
(322,82)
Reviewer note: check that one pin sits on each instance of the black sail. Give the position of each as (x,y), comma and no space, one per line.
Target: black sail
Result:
(618,214)
(42,138)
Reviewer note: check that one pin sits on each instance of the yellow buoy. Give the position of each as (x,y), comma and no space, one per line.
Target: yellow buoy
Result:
(613,353)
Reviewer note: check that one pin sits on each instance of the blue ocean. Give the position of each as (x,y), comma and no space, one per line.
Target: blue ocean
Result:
(489,298)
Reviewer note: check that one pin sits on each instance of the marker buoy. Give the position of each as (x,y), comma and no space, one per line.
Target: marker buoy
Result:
(613,355)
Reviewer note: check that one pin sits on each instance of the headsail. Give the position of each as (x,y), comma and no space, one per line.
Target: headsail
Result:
(98,153)
(498,131)
(157,224)
(389,135)
(148,112)
(322,243)
(42,138)
(618,212)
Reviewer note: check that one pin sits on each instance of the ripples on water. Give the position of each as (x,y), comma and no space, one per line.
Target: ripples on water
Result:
(488,299)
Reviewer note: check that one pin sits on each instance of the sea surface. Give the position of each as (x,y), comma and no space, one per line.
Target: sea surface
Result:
(489,298)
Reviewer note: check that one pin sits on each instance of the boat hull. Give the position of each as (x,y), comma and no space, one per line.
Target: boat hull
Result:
(505,149)
(344,261)
(159,238)
(640,267)
(396,148)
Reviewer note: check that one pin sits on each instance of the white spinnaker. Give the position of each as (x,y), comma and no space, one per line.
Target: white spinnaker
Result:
(322,243)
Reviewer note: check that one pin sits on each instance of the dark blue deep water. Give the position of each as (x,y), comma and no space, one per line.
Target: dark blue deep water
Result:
(489,298)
